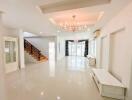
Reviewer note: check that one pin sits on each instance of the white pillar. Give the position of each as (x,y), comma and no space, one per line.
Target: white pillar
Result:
(2,73)
(21,49)
(129,94)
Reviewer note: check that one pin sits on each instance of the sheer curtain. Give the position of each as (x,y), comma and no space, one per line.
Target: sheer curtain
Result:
(77,48)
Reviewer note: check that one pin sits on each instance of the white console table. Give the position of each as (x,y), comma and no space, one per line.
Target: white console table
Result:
(108,85)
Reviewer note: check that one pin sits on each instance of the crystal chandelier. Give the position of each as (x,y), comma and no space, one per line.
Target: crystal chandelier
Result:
(73,25)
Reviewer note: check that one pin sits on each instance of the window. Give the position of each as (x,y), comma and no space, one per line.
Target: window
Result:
(10,53)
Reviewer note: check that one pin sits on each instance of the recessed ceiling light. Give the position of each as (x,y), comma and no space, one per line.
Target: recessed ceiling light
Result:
(38,8)
(88,29)
(42,93)
(58,97)
(52,21)
(58,31)
(41,32)
(100,16)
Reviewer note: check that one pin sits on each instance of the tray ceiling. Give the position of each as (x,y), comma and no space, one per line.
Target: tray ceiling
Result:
(70,4)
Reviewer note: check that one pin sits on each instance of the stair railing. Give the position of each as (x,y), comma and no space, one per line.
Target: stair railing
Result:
(32,49)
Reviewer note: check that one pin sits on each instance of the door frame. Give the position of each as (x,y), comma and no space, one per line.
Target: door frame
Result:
(10,67)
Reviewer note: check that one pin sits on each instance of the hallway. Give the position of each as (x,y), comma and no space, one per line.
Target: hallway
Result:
(61,81)
(49,47)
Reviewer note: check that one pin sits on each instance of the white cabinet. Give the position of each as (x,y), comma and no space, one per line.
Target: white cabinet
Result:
(108,85)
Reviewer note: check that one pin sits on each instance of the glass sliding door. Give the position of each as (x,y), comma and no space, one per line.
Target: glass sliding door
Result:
(76,48)
(70,48)
(79,49)
(83,48)
(73,49)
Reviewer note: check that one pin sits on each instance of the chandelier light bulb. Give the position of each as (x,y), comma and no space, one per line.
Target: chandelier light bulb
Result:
(73,25)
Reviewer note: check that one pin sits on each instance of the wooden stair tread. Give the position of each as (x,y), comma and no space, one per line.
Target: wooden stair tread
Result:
(34,52)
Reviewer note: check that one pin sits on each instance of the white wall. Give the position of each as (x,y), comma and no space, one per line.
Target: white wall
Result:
(29,59)
(2,73)
(92,47)
(104,52)
(130,87)
(4,31)
(77,36)
(60,47)
(28,34)
(119,47)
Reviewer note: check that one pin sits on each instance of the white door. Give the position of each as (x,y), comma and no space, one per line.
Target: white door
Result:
(10,54)
(80,48)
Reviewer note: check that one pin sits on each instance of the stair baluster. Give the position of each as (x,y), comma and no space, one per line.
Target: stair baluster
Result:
(33,51)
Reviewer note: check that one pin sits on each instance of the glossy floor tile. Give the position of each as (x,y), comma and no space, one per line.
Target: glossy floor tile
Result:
(67,79)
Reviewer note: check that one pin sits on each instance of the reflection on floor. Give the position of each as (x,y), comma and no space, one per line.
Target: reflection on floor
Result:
(76,63)
(68,79)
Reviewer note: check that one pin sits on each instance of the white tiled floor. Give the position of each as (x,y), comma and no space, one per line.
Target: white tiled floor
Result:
(68,79)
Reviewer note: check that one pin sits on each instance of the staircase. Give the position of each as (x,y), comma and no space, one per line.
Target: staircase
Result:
(34,52)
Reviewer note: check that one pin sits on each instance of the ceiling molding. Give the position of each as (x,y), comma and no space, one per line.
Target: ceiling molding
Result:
(70,4)
(40,37)
(89,19)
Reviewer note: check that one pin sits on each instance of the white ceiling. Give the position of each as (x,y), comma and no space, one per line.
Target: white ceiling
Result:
(26,14)
(83,18)
(70,4)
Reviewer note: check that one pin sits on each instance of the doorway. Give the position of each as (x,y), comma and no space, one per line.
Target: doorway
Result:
(76,48)
(10,54)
